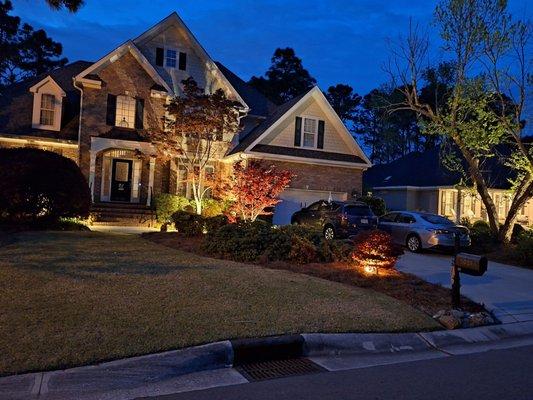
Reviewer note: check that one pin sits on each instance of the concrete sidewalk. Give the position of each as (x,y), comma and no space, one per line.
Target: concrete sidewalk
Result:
(209,366)
(505,290)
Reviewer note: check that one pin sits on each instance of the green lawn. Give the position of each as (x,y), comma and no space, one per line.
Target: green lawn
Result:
(72,298)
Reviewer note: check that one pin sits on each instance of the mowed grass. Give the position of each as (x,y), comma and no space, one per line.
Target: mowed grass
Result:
(74,298)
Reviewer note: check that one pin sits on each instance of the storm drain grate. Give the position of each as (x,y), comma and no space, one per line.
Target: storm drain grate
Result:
(272,369)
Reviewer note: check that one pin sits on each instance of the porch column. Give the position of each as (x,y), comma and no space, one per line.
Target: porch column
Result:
(92,172)
(150,181)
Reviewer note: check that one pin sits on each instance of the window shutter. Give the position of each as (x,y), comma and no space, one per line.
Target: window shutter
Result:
(139,113)
(111,109)
(298,132)
(183,61)
(159,56)
(320,139)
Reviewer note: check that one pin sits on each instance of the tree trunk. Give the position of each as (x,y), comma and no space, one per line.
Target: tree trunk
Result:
(523,194)
(481,185)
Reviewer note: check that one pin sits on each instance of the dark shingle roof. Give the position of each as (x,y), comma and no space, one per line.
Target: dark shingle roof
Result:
(258,103)
(426,170)
(16,104)
(308,153)
(267,123)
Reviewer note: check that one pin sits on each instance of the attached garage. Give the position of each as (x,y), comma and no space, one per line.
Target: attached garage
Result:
(293,200)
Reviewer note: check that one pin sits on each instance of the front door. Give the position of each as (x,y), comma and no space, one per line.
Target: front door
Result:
(121,180)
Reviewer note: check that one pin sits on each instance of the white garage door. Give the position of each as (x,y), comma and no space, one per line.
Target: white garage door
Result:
(293,200)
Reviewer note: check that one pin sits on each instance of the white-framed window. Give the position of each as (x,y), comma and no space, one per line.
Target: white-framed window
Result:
(47,109)
(171,58)
(309,131)
(448,203)
(125,112)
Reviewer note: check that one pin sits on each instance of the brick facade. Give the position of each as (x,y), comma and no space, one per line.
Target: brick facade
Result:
(323,177)
(123,76)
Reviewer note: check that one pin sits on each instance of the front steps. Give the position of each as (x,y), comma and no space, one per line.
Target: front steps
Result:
(123,214)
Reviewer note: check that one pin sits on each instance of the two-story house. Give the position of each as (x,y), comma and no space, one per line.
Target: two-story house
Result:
(96,113)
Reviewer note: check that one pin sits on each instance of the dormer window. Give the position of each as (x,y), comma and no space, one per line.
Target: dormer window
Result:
(47,109)
(47,105)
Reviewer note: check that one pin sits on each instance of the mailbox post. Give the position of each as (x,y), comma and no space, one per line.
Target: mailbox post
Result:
(456,280)
(469,264)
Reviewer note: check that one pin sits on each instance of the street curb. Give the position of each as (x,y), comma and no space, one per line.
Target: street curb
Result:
(155,368)
(337,344)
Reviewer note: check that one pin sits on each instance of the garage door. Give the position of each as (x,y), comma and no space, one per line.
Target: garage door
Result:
(293,200)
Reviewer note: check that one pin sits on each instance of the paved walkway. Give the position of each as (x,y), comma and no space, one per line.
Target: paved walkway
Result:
(123,230)
(504,289)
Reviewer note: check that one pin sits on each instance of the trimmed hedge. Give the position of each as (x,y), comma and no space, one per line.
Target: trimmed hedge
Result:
(39,185)
(259,241)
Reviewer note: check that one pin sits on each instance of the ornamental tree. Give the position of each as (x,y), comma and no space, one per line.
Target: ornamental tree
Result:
(254,188)
(487,102)
(194,128)
(375,250)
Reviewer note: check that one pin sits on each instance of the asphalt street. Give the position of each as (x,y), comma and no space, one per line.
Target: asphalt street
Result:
(492,375)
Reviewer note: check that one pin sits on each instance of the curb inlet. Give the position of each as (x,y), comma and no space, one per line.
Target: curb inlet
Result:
(272,369)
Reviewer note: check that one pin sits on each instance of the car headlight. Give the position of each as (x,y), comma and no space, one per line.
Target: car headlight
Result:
(440,231)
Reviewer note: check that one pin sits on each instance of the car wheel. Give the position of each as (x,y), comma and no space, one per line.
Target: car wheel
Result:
(414,244)
(329,232)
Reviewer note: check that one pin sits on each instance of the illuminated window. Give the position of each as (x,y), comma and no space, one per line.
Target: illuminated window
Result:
(310,129)
(47,109)
(448,203)
(171,58)
(125,115)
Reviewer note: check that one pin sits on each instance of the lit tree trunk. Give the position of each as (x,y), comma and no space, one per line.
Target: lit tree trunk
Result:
(522,195)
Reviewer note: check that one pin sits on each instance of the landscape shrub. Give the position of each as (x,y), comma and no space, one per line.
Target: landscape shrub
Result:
(524,248)
(213,207)
(259,241)
(376,204)
(518,230)
(167,204)
(188,224)
(38,185)
(375,248)
(241,241)
(482,238)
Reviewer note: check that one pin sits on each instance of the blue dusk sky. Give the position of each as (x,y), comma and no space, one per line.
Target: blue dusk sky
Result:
(340,41)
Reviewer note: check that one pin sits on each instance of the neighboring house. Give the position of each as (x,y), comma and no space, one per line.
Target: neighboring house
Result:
(96,114)
(419,182)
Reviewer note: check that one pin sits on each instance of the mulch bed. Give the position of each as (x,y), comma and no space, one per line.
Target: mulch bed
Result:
(420,294)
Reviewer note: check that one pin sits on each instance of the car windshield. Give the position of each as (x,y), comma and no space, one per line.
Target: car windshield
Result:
(358,211)
(436,219)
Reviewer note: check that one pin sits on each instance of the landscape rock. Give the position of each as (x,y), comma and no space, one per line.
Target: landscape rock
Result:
(453,319)
(479,319)
(450,321)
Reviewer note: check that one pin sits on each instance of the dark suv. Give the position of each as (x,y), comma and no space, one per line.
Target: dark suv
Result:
(337,218)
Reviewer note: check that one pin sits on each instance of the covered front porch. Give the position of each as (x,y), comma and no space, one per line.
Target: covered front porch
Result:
(122,171)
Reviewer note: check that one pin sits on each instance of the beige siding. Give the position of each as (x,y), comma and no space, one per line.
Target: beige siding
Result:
(175,38)
(283,134)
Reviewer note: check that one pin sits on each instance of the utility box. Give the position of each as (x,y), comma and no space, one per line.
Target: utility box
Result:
(471,264)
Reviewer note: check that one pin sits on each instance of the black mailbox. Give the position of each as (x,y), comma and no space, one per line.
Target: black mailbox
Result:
(471,264)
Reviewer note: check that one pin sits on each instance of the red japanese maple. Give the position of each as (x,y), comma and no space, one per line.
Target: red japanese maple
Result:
(255,188)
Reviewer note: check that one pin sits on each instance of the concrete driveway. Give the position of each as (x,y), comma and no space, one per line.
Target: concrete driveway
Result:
(504,289)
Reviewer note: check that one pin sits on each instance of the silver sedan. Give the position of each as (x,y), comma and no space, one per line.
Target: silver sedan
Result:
(420,231)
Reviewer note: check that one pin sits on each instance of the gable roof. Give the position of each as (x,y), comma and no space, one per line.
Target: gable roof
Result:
(91,72)
(250,143)
(16,104)
(174,19)
(425,169)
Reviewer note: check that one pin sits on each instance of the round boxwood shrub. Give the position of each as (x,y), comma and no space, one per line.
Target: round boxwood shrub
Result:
(41,185)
